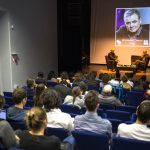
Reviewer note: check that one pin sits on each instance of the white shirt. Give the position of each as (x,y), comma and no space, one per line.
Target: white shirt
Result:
(58,119)
(134,131)
(79,102)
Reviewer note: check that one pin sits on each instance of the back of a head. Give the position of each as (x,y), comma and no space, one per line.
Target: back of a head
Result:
(105,78)
(50,99)
(40,75)
(76,91)
(124,78)
(64,75)
(51,75)
(40,88)
(18,95)
(83,87)
(91,100)
(107,89)
(130,12)
(30,82)
(36,119)
(143,112)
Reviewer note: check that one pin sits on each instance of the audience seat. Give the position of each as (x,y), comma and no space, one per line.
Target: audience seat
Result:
(120,143)
(90,141)
(131,109)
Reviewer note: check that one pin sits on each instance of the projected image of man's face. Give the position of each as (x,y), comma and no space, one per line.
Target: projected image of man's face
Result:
(132,23)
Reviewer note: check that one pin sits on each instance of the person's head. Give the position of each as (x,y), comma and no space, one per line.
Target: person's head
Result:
(112,50)
(105,78)
(40,75)
(76,91)
(51,75)
(36,119)
(50,99)
(2,102)
(107,89)
(19,96)
(124,78)
(30,82)
(83,87)
(147,94)
(143,112)
(132,20)
(39,89)
(92,101)
(144,52)
(78,76)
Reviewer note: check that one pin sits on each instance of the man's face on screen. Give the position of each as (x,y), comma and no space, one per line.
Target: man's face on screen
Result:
(132,23)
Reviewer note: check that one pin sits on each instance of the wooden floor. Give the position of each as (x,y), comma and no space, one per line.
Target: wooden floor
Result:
(103,69)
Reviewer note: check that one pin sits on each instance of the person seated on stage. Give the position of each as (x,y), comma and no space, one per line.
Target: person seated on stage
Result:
(138,130)
(113,57)
(143,60)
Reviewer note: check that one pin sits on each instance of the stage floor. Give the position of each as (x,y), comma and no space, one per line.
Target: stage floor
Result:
(103,69)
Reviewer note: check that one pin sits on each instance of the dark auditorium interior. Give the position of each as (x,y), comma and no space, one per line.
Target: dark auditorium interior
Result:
(76,36)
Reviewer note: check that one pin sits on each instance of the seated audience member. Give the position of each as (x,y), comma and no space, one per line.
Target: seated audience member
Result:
(78,77)
(2,102)
(74,99)
(113,81)
(147,94)
(90,121)
(105,80)
(33,138)
(40,78)
(30,87)
(106,96)
(55,117)
(52,77)
(36,98)
(17,111)
(83,88)
(124,83)
(64,87)
(139,129)
(130,76)
(138,86)
(7,135)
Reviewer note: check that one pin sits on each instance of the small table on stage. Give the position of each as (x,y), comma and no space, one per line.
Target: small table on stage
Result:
(126,68)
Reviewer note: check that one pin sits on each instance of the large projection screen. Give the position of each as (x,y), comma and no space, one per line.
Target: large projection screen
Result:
(132,27)
(105,21)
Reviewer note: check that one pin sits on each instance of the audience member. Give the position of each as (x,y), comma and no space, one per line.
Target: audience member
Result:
(34,138)
(40,78)
(2,102)
(56,118)
(78,77)
(75,99)
(139,129)
(64,87)
(52,76)
(17,111)
(36,98)
(90,121)
(106,96)
(113,80)
(124,83)
(30,87)
(147,94)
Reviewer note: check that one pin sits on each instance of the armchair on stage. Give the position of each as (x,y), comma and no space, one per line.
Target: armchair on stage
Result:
(109,63)
(142,66)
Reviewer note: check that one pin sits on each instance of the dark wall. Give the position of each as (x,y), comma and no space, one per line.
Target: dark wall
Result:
(73,33)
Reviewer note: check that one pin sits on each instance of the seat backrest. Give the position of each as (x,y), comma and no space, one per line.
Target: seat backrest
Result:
(120,143)
(59,132)
(88,140)
(115,123)
(116,114)
(131,109)
(134,98)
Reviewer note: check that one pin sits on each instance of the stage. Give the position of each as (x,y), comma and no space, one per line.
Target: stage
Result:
(103,69)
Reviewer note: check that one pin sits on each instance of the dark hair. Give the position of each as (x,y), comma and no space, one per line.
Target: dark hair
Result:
(124,78)
(91,100)
(39,89)
(143,112)
(2,102)
(51,75)
(18,95)
(130,12)
(30,82)
(50,99)
(64,75)
(83,87)
(40,75)
(76,91)
(35,118)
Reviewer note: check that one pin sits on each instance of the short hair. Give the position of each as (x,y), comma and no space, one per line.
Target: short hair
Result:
(35,118)
(2,102)
(107,89)
(30,82)
(50,99)
(124,78)
(18,95)
(143,111)
(130,12)
(91,100)
(40,74)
